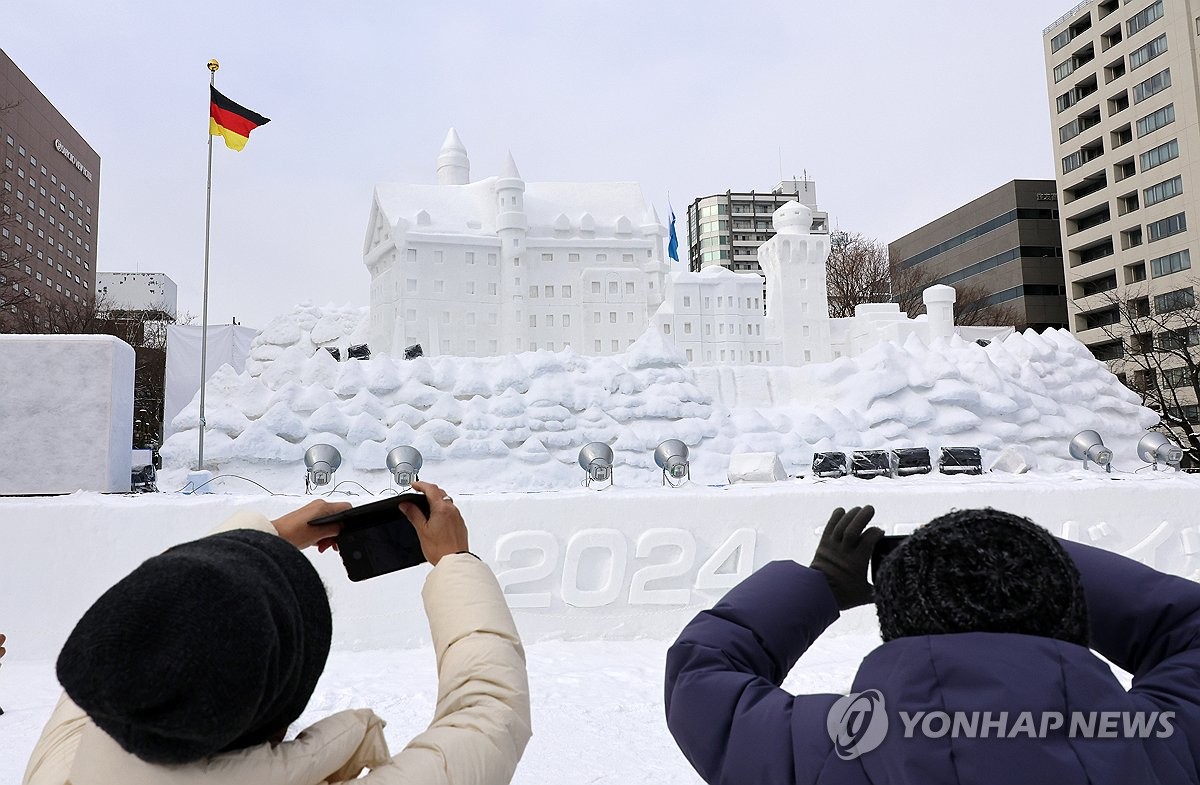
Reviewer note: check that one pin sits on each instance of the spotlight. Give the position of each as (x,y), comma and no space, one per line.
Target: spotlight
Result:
(871,463)
(830,464)
(413,352)
(358,352)
(321,460)
(336,352)
(1088,446)
(960,460)
(911,460)
(1155,448)
(404,463)
(596,460)
(672,457)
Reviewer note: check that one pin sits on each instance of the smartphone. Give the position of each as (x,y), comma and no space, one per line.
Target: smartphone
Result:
(886,545)
(377,538)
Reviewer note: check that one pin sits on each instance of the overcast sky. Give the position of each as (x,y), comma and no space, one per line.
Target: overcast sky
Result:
(899,111)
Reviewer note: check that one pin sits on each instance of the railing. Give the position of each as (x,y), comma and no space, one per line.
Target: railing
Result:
(1073,12)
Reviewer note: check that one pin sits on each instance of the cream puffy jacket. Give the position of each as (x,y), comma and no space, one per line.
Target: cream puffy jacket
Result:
(479,730)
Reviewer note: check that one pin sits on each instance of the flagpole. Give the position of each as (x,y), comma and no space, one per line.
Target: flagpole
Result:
(213,65)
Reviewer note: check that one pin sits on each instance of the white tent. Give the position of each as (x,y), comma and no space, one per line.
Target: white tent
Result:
(228,344)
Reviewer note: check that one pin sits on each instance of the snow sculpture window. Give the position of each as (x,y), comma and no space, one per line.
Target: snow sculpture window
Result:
(411,285)
(439,287)
(491,288)
(533,292)
(628,287)
(666,329)
(410,315)
(616,345)
(470,257)
(612,317)
(573,257)
(687,302)
(445,317)
(470,287)
(532,320)
(629,317)
(595,287)
(547,257)
(439,257)
(491,260)
(493,347)
(471,319)
(549,320)
(596,317)
(492,319)
(549,291)
(687,328)
(689,355)
(566,320)
(601,257)
(566,291)
(597,345)
(612,287)
(412,254)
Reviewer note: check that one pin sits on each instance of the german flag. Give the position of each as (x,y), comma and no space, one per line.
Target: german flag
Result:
(231,121)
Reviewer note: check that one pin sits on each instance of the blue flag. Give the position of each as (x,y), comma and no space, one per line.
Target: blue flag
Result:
(673,244)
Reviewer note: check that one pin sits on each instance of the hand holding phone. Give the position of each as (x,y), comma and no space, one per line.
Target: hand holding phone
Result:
(378,538)
(439,525)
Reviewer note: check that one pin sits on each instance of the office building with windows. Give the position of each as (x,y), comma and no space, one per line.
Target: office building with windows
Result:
(49,206)
(1002,250)
(727,229)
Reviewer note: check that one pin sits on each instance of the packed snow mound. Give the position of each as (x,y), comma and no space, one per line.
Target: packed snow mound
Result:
(517,421)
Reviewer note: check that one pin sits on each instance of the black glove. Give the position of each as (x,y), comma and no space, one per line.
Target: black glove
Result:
(844,555)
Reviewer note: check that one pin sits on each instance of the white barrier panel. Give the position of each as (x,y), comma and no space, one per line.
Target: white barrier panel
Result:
(581,564)
(66,413)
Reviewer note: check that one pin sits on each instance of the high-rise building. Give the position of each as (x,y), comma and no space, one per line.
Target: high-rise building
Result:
(1123,102)
(1000,250)
(49,205)
(728,228)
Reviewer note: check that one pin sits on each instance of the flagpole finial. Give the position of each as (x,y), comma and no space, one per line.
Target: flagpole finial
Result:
(213,65)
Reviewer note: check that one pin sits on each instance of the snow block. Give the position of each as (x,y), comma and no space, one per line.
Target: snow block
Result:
(66,413)
(755,467)
(1016,459)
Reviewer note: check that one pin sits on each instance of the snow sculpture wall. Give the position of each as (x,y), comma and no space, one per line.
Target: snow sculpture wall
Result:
(66,413)
(516,422)
(715,316)
(618,564)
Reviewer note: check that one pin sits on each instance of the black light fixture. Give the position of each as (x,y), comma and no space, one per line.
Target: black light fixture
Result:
(960,460)
(413,352)
(830,464)
(911,460)
(336,352)
(359,351)
(871,463)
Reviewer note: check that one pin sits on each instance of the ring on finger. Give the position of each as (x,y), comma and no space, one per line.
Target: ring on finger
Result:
(447,499)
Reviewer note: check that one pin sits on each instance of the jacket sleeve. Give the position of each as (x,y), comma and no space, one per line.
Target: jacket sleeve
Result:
(481,724)
(724,704)
(1146,622)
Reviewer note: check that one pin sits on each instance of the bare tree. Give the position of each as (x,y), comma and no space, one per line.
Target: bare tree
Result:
(1154,346)
(860,270)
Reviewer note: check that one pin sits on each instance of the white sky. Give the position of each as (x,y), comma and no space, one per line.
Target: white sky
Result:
(900,112)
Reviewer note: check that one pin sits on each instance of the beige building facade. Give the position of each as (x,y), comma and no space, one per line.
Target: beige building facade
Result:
(1123,102)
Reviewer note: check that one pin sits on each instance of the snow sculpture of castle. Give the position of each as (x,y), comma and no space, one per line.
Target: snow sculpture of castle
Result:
(500,265)
(717,316)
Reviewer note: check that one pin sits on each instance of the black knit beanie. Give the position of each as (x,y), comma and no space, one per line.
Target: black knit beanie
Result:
(214,645)
(981,571)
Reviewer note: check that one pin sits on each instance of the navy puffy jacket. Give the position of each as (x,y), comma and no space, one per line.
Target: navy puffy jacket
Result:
(737,727)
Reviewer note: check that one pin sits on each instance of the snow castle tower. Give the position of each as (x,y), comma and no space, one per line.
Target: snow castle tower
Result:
(797,302)
(453,165)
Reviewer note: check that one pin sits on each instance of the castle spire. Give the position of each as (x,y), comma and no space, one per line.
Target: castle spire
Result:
(453,165)
(510,168)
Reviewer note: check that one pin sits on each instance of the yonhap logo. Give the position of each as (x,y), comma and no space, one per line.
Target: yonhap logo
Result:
(857,723)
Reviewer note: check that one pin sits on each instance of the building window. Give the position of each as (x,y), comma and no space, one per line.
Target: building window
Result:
(491,260)
(1152,86)
(549,291)
(595,317)
(612,317)
(532,320)
(1174,301)
(491,288)
(689,355)
(533,292)
(566,291)
(470,257)
(1142,19)
(572,257)
(628,287)
(470,287)
(616,345)
(1163,191)
(687,328)
(666,329)
(595,287)
(1175,224)
(1160,155)
(410,285)
(612,287)
(687,302)
(547,257)
(629,317)
(1145,54)
(1171,263)
(598,346)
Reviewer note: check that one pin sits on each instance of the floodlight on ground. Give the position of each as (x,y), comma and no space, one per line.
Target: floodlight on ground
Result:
(413,352)
(1155,448)
(1088,446)
(336,352)
(871,463)
(960,460)
(321,461)
(359,351)
(672,457)
(911,460)
(830,464)
(404,463)
(595,458)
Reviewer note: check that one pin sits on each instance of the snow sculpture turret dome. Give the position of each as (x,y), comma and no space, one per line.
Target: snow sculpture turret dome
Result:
(793,218)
